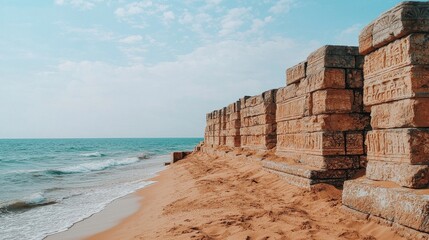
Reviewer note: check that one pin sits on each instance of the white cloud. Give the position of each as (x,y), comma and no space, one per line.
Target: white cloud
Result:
(282,6)
(131,39)
(168,16)
(257,24)
(350,35)
(233,20)
(136,8)
(98,99)
(80,4)
(92,33)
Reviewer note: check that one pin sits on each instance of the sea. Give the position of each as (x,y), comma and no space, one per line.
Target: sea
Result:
(47,185)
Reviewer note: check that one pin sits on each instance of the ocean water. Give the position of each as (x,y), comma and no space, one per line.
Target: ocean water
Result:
(47,185)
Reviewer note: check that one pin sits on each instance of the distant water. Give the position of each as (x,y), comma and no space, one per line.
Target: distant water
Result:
(46,185)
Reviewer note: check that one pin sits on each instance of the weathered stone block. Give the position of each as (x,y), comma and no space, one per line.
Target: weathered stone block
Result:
(411,176)
(265,129)
(354,78)
(404,206)
(408,145)
(262,142)
(296,73)
(323,79)
(325,122)
(402,20)
(355,143)
(331,56)
(318,143)
(294,108)
(410,50)
(304,171)
(407,82)
(332,101)
(258,120)
(401,114)
(330,162)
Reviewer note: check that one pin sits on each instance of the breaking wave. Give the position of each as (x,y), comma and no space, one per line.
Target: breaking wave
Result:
(35,200)
(93,166)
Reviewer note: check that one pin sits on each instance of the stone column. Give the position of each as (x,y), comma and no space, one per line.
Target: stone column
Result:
(321,121)
(233,124)
(396,87)
(258,121)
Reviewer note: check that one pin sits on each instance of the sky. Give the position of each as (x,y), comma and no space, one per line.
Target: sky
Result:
(127,68)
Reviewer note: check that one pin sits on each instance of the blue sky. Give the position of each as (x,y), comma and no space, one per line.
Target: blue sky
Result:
(126,68)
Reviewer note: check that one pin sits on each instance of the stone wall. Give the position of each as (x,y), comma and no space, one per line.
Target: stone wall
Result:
(320,117)
(319,126)
(258,121)
(396,88)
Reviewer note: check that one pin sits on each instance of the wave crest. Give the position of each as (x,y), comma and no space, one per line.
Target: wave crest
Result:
(35,200)
(93,166)
(93,154)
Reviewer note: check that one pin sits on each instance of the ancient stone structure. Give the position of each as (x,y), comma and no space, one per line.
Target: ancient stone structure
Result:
(321,119)
(258,121)
(396,87)
(231,130)
(320,129)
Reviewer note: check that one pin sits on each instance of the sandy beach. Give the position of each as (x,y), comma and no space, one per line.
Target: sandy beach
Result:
(209,197)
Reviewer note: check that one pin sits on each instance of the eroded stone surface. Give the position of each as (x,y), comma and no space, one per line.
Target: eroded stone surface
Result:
(404,206)
(401,114)
(296,73)
(407,145)
(402,20)
(412,176)
(407,82)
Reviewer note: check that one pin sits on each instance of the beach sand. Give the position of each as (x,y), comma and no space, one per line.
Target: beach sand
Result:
(206,197)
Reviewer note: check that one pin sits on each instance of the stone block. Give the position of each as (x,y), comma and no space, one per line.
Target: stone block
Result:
(407,207)
(258,120)
(331,56)
(323,162)
(411,176)
(407,145)
(410,50)
(325,122)
(354,78)
(332,101)
(258,142)
(317,143)
(323,79)
(304,171)
(355,143)
(294,108)
(402,20)
(258,110)
(265,129)
(401,114)
(407,82)
(296,73)
(233,141)
(177,156)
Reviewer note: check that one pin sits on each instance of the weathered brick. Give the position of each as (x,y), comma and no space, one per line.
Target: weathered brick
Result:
(325,122)
(410,50)
(332,101)
(407,145)
(401,114)
(318,143)
(331,56)
(294,108)
(402,83)
(355,143)
(402,20)
(296,73)
(404,174)
(404,206)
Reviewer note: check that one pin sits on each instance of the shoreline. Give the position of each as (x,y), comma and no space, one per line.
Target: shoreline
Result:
(111,215)
(208,197)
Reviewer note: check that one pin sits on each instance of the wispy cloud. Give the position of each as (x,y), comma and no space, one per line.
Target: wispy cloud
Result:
(282,6)
(80,4)
(131,39)
(233,20)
